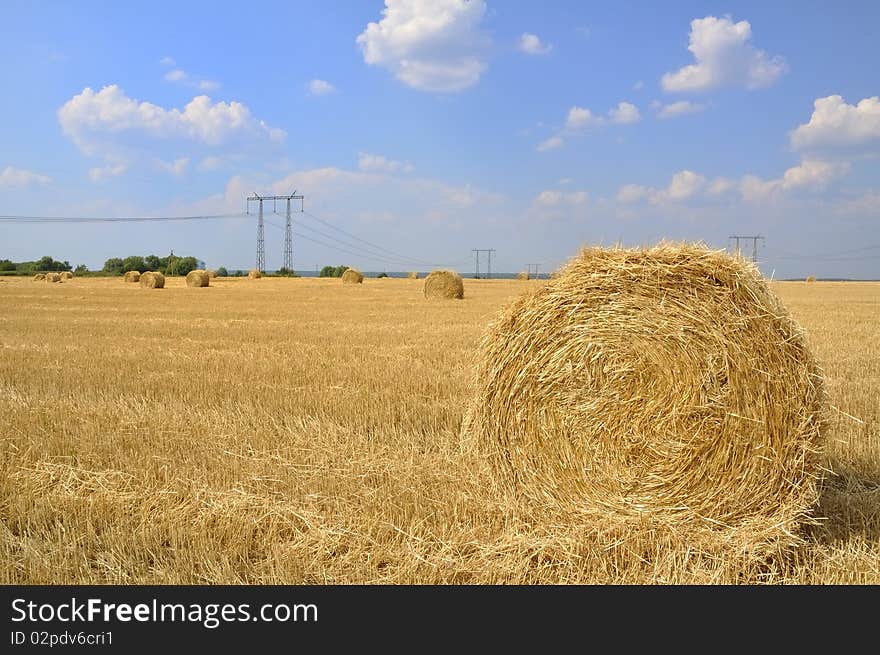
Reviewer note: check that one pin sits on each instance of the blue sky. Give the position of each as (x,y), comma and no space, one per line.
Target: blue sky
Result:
(433,127)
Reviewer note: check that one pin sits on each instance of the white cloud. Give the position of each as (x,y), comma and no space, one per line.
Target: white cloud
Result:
(835,123)
(177,167)
(550,144)
(563,181)
(632,193)
(378,164)
(531,45)
(103,172)
(578,118)
(724,57)
(167,61)
(88,116)
(811,174)
(624,113)
(430,45)
(554,198)
(719,186)
(320,87)
(19,177)
(684,185)
(680,108)
(181,76)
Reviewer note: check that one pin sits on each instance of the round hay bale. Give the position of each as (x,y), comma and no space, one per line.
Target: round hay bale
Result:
(197,278)
(444,284)
(522,275)
(352,276)
(53,277)
(413,275)
(66,275)
(254,275)
(212,274)
(39,277)
(152,280)
(663,389)
(131,276)
(811,278)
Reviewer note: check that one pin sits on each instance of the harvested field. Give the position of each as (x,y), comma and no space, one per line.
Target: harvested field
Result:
(322,443)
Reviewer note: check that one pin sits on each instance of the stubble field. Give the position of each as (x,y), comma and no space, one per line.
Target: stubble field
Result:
(304,431)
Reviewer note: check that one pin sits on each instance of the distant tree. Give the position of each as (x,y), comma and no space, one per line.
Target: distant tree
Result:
(238,273)
(286,272)
(333,271)
(186,264)
(80,269)
(113,265)
(7,265)
(134,263)
(153,263)
(222,272)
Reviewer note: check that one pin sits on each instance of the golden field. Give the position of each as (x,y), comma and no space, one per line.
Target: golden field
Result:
(303,431)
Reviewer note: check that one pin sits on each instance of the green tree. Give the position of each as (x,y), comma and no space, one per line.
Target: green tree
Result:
(332,271)
(153,263)
(7,265)
(113,265)
(222,272)
(286,272)
(134,263)
(80,269)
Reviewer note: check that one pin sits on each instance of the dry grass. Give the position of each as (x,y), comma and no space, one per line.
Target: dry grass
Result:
(254,274)
(66,275)
(522,275)
(413,275)
(198,278)
(324,448)
(131,276)
(352,276)
(810,278)
(152,280)
(660,390)
(444,284)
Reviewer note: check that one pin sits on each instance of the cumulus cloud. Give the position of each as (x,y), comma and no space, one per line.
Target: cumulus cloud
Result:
(90,116)
(835,123)
(810,174)
(379,164)
(103,172)
(531,45)
(624,113)
(632,193)
(550,144)
(578,118)
(684,184)
(553,198)
(19,177)
(168,61)
(430,45)
(320,87)
(724,57)
(182,77)
(680,108)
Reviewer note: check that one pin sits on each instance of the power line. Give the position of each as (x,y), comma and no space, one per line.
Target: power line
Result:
(114,219)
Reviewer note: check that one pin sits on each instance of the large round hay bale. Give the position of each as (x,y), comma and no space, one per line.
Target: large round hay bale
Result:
(39,277)
(152,280)
(352,276)
(197,278)
(522,275)
(53,277)
(811,278)
(131,276)
(444,284)
(212,274)
(255,275)
(413,275)
(663,389)
(66,275)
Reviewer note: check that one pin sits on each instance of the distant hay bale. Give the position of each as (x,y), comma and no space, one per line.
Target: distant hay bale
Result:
(152,280)
(254,275)
(197,278)
(212,274)
(522,275)
(39,277)
(53,277)
(663,389)
(352,276)
(413,275)
(444,284)
(811,278)
(131,276)
(66,275)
